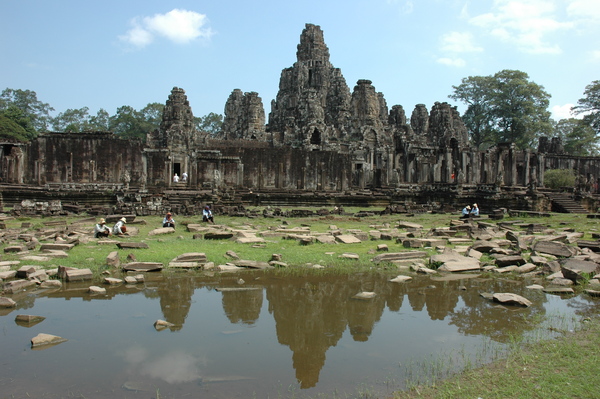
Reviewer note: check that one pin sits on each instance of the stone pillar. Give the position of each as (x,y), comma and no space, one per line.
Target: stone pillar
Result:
(512,154)
(527,168)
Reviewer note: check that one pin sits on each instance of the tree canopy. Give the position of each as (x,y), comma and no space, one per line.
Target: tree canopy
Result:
(23,107)
(504,107)
(589,105)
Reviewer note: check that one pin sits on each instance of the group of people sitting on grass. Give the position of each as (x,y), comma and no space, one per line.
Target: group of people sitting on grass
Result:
(469,212)
(102,230)
(119,229)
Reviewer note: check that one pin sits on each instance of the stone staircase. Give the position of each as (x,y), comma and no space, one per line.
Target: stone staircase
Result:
(564,203)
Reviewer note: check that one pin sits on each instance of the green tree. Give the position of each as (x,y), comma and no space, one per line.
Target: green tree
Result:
(71,120)
(19,118)
(26,100)
(589,105)
(129,123)
(99,122)
(578,137)
(211,123)
(557,178)
(9,129)
(475,91)
(505,107)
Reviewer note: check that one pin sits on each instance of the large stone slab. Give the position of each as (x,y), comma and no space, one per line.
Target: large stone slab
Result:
(132,245)
(554,248)
(56,246)
(395,256)
(508,298)
(347,239)
(249,240)
(218,235)
(191,257)
(143,266)
(252,264)
(46,339)
(17,285)
(78,274)
(161,231)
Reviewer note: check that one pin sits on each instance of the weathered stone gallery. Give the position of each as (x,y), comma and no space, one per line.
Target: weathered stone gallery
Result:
(322,145)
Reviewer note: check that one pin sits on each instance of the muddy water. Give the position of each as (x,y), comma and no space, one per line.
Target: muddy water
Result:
(282,336)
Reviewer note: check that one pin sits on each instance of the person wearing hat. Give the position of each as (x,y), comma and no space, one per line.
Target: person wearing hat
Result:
(168,221)
(119,228)
(207,215)
(466,212)
(475,210)
(101,229)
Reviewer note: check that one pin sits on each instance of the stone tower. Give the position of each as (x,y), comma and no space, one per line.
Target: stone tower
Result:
(312,107)
(244,117)
(177,129)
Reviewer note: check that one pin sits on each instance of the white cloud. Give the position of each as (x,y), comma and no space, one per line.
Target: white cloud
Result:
(525,23)
(584,9)
(562,112)
(405,6)
(454,62)
(179,26)
(595,55)
(457,42)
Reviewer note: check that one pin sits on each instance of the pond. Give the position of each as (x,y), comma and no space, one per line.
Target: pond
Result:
(263,334)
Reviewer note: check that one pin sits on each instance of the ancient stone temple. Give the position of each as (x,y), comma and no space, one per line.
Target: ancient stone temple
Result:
(323,144)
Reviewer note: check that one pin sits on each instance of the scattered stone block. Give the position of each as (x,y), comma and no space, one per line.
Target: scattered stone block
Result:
(14,248)
(554,248)
(26,320)
(51,284)
(78,274)
(526,268)
(382,248)
(94,289)
(162,324)
(112,281)
(25,271)
(347,239)
(191,257)
(46,339)
(508,298)
(347,255)
(394,256)
(7,302)
(8,274)
(17,285)
(132,245)
(161,231)
(252,264)
(113,259)
(558,290)
(143,266)
(364,295)
(401,279)
(218,235)
(56,246)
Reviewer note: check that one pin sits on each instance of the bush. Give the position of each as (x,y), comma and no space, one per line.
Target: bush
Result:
(557,178)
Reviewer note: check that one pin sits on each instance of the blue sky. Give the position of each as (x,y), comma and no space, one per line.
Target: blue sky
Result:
(105,54)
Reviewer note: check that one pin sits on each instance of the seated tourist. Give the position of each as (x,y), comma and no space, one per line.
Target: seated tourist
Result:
(101,229)
(207,215)
(168,221)
(119,228)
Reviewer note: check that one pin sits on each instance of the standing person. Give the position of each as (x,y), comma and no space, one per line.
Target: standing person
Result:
(207,215)
(466,212)
(175,178)
(101,229)
(168,221)
(184,177)
(475,210)
(119,228)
